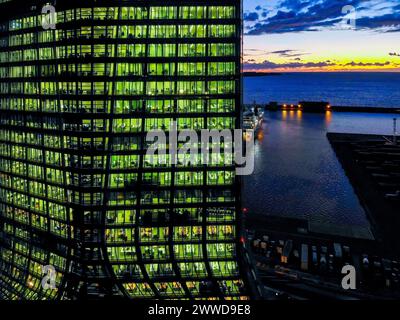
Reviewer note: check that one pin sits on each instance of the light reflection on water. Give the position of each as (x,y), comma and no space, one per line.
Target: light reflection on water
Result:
(296,171)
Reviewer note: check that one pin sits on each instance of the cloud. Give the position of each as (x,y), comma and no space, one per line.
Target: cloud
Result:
(251,16)
(298,65)
(289,65)
(367,64)
(389,21)
(314,15)
(254,52)
(288,53)
(296,5)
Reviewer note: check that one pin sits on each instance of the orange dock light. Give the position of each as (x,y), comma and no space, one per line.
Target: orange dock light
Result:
(328,106)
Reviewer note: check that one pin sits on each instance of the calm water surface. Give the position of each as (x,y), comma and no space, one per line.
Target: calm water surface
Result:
(369,89)
(296,170)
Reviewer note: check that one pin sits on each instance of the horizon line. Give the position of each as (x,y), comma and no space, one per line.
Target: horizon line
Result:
(325,71)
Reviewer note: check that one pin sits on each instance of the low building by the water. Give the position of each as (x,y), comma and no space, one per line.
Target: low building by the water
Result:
(314,106)
(307,106)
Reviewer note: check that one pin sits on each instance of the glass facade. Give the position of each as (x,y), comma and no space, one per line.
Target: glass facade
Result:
(77,190)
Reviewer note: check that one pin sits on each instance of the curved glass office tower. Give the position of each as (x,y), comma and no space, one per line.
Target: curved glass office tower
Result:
(77,190)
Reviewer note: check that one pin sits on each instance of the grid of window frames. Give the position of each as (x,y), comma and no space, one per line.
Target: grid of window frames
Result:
(75,105)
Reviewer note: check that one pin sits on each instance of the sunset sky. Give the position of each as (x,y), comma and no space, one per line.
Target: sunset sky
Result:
(312,35)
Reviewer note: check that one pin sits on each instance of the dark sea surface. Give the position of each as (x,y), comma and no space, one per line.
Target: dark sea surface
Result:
(296,172)
(340,89)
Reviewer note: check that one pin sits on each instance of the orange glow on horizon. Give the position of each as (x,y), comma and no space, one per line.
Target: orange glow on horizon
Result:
(299,114)
(304,70)
(260,136)
(328,117)
(348,64)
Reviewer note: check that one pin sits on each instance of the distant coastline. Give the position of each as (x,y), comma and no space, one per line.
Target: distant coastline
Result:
(261,74)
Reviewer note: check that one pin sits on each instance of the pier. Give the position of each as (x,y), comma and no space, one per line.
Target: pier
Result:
(372,164)
(323,106)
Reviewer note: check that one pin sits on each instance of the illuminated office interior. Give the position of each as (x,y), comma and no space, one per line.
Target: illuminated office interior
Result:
(77,190)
